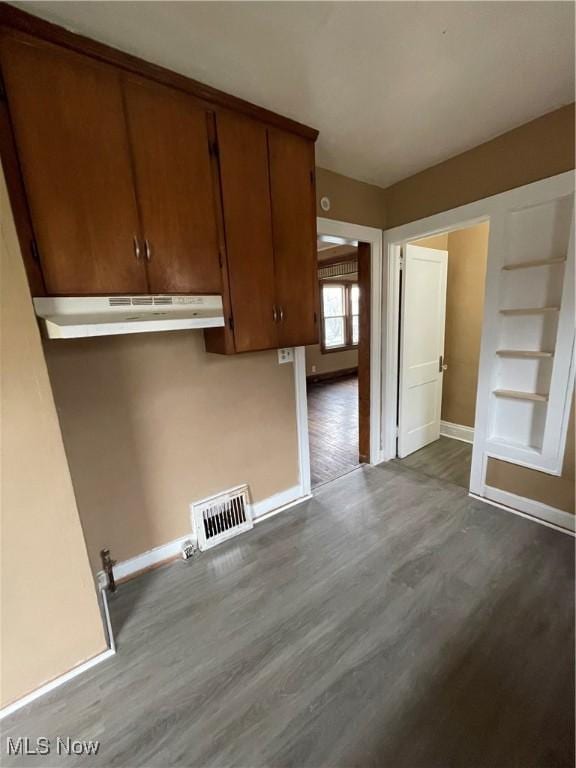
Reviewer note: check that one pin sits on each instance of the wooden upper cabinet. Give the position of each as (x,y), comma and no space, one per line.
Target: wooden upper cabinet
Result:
(243,154)
(175,186)
(68,119)
(135,180)
(292,192)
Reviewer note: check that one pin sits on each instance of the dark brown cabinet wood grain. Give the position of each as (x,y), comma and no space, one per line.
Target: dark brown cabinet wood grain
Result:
(243,153)
(175,188)
(270,221)
(130,179)
(72,142)
(294,227)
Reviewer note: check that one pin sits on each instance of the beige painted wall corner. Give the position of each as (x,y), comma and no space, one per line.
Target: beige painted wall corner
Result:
(50,618)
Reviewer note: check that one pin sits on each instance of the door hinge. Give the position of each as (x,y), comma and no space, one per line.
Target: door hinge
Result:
(397,434)
(401,261)
(2,88)
(312,177)
(220,260)
(34,250)
(315,318)
(214,151)
(231,323)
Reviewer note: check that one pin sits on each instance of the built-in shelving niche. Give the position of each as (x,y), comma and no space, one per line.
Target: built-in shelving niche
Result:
(531,292)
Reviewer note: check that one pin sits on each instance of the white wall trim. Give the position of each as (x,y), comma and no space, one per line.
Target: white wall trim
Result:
(278,502)
(490,208)
(150,558)
(292,498)
(529,509)
(103,593)
(302,420)
(457,431)
(172,549)
(373,237)
(56,683)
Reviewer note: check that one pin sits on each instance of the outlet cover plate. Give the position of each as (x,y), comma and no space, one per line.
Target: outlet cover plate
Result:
(286,355)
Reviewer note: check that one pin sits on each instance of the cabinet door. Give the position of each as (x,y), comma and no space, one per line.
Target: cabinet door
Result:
(294,227)
(247,218)
(70,131)
(175,186)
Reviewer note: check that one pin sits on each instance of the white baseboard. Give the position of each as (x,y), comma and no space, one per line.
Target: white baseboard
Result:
(457,431)
(261,509)
(277,502)
(58,681)
(528,508)
(147,559)
(267,514)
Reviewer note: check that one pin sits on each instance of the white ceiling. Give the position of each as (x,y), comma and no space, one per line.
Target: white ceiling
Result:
(393,87)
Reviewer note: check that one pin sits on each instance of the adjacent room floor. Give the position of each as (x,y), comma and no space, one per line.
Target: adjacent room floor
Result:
(389,621)
(333,428)
(445,459)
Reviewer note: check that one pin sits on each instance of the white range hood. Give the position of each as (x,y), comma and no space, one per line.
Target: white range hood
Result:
(80,316)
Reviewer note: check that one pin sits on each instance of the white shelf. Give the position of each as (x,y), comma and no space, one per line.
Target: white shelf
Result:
(534,263)
(529,311)
(514,394)
(523,353)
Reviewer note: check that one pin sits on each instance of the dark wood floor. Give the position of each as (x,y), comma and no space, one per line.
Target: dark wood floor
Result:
(333,428)
(446,459)
(390,622)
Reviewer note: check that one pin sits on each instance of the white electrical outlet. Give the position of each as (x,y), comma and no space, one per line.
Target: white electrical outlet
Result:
(286,355)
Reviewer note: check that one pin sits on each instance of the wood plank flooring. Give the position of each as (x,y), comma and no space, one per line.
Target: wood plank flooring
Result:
(391,622)
(333,428)
(446,458)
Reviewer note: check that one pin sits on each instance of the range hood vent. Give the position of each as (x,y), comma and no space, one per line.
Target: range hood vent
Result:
(82,316)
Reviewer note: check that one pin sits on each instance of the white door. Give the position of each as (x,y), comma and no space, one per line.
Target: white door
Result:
(421,347)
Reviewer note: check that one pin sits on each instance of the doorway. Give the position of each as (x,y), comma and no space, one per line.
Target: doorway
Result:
(440,327)
(339,381)
(332,365)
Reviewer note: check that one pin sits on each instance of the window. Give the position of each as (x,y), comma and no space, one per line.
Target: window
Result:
(340,315)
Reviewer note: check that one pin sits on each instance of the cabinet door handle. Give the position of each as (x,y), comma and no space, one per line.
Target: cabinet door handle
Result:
(274,313)
(281,314)
(137,248)
(147,249)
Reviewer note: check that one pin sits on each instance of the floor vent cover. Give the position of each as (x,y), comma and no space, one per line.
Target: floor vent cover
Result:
(221,517)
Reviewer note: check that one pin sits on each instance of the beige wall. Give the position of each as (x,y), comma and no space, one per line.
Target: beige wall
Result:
(50,619)
(316,362)
(536,150)
(440,242)
(541,148)
(152,423)
(467,256)
(351,200)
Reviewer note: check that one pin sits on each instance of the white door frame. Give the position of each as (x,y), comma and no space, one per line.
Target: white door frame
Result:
(446,221)
(373,237)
